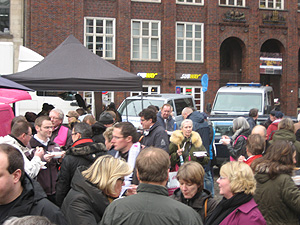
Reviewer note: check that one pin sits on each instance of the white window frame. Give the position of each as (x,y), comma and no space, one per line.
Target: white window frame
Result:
(193,39)
(6,7)
(235,4)
(148,92)
(200,107)
(104,35)
(190,2)
(149,37)
(274,3)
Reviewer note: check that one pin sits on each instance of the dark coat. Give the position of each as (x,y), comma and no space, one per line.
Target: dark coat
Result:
(170,122)
(202,127)
(197,202)
(150,206)
(69,140)
(83,154)
(46,177)
(238,147)
(98,130)
(287,135)
(157,137)
(85,203)
(33,201)
(252,122)
(278,199)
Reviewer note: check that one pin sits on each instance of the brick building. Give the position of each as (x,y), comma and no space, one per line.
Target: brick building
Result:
(172,43)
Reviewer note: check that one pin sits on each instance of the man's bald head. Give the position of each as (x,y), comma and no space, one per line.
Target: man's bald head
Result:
(261,130)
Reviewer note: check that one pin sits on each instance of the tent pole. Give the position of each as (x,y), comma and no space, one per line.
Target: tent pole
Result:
(126,106)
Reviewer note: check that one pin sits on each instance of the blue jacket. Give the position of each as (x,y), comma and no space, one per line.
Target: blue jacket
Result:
(201,126)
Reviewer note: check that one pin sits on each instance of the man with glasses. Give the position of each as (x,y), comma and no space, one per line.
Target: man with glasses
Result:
(154,134)
(125,141)
(60,134)
(19,137)
(83,152)
(48,174)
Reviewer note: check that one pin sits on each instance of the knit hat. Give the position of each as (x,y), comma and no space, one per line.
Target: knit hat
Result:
(72,114)
(279,115)
(106,118)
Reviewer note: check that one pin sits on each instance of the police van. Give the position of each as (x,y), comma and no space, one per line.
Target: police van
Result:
(239,98)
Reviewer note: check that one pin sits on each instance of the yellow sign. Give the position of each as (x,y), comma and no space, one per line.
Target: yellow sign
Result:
(147,75)
(190,76)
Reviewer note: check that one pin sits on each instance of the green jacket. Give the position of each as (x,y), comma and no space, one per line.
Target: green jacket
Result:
(193,144)
(150,206)
(283,134)
(278,199)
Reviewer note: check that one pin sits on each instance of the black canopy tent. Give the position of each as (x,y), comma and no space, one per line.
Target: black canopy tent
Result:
(72,67)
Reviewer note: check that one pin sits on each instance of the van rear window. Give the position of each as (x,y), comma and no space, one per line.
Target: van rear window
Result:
(134,106)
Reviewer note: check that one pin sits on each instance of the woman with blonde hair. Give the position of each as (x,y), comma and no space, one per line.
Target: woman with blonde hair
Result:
(93,189)
(191,192)
(237,185)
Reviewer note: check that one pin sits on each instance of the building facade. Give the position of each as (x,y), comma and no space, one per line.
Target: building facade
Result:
(172,43)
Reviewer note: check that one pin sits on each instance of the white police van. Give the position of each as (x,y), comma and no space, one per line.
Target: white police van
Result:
(239,98)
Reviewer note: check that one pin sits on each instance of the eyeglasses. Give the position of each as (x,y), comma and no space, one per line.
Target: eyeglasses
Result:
(30,135)
(116,137)
(54,118)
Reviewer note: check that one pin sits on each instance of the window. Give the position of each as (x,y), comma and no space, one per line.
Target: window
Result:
(189,42)
(197,93)
(271,4)
(239,3)
(4,16)
(145,40)
(100,36)
(298,5)
(196,2)
(148,90)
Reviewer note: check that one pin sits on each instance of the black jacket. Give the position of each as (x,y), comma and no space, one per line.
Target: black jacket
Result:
(85,203)
(46,177)
(83,154)
(33,201)
(238,146)
(202,127)
(157,137)
(98,130)
(198,202)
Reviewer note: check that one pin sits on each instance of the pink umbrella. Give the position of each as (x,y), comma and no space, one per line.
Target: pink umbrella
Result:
(13,95)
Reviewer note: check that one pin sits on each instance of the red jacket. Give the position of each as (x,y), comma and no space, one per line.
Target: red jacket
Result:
(272,128)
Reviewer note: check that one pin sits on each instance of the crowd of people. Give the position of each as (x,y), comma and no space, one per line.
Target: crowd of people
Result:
(105,171)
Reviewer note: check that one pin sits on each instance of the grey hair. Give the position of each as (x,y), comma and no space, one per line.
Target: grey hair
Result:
(186,121)
(60,113)
(84,129)
(239,124)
